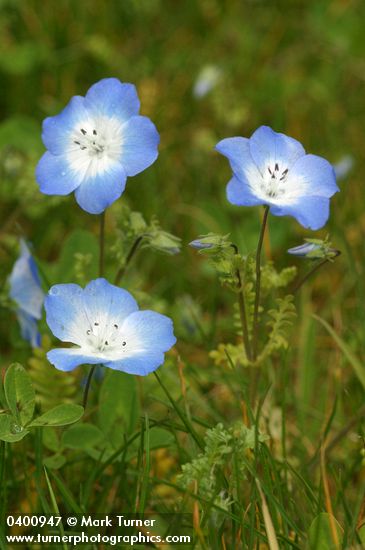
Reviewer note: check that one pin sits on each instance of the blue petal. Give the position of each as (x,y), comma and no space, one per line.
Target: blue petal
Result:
(239,193)
(139,146)
(318,174)
(109,97)
(96,193)
(140,363)
(310,212)
(65,313)
(67,359)
(102,299)
(29,328)
(25,286)
(151,334)
(237,150)
(56,130)
(153,330)
(55,176)
(268,147)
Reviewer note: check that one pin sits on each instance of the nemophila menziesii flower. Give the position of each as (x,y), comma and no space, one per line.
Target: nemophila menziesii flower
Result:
(303,250)
(95,143)
(273,169)
(107,327)
(27,293)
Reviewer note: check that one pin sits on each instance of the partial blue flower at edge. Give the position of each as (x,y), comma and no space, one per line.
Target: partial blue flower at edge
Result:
(26,291)
(273,169)
(95,143)
(107,327)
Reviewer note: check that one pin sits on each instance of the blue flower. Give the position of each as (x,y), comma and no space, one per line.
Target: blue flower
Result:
(107,327)
(27,293)
(273,169)
(95,143)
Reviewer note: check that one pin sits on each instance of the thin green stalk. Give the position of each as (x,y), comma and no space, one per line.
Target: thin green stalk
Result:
(242,309)
(101,244)
(2,482)
(130,255)
(87,386)
(258,284)
(101,274)
(315,268)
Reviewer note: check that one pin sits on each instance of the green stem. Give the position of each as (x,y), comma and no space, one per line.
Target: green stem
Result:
(101,244)
(258,284)
(315,268)
(2,482)
(87,387)
(130,255)
(242,308)
(101,274)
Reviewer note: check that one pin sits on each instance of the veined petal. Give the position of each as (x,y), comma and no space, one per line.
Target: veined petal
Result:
(317,175)
(112,98)
(65,313)
(311,212)
(56,130)
(67,359)
(140,141)
(55,175)
(268,148)
(100,190)
(240,193)
(141,363)
(107,303)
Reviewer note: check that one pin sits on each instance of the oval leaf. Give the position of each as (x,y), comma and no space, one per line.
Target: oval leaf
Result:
(19,393)
(59,416)
(82,436)
(325,533)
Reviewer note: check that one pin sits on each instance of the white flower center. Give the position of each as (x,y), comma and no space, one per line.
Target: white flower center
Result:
(274,181)
(105,338)
(95,145)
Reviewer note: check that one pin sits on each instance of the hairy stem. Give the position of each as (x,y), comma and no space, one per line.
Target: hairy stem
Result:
(101,274)
(130,255)
(258,285)
(242,308)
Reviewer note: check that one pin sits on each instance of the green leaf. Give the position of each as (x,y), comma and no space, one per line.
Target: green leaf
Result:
(321,535)
(50,439)
(118,405)
(61,415)
(82,436)
(352,359)
(19,393)
(55,461)
(10,430)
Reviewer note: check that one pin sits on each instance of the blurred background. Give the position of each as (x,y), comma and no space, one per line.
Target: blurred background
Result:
(204,70)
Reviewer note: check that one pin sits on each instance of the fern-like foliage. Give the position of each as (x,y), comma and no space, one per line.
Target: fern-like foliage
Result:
(281,319)
(52,386)
(225,452)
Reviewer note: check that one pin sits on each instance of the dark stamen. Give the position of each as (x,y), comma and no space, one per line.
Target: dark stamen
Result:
(106,342)
(276,166)
(95,133)
(77,142)
(115,326)
(269,170)
(88,331)
(83,131)
(124,343)
(96,324)
(83,147)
